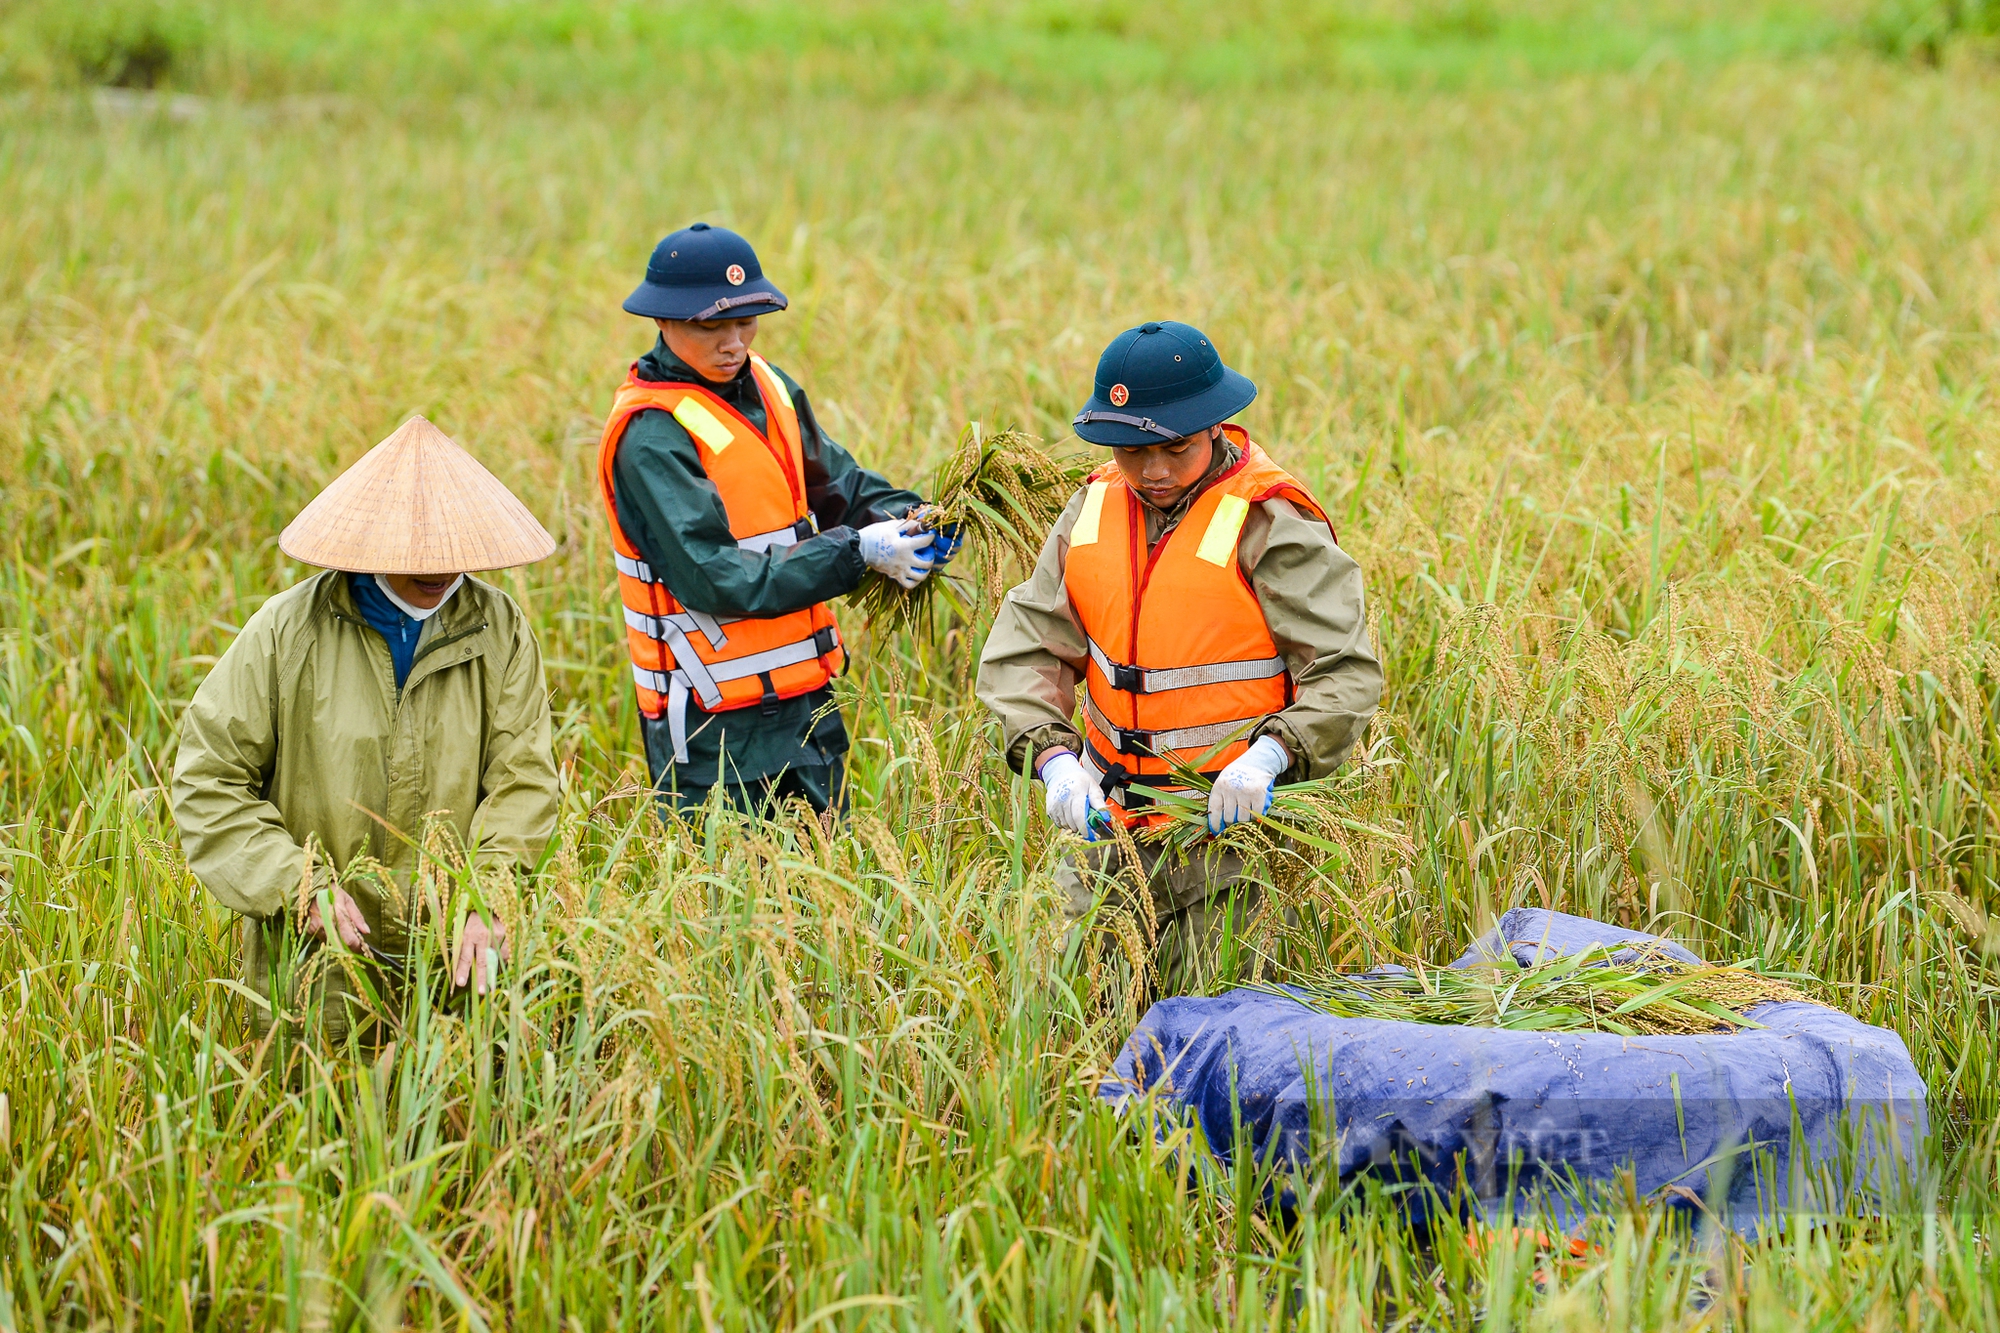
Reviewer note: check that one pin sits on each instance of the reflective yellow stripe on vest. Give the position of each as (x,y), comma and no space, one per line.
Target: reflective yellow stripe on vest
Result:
(703,424)
(1090,516)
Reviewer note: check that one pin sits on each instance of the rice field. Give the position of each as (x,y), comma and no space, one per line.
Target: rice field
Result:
(1646,358)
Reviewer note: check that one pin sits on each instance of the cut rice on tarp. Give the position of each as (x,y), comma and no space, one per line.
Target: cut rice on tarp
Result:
(1587,991)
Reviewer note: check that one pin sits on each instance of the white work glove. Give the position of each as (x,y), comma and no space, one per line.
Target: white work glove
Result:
(1242,791)
(900,548)
(1072,796)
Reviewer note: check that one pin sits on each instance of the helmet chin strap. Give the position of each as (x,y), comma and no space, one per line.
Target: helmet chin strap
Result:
(416,612)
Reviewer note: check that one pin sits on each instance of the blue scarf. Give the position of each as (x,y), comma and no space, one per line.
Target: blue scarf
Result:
(399,631)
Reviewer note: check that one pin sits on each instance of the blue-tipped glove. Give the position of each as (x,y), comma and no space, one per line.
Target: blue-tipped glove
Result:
(899,548)
(1242,791)
(1072,797)
(946,542)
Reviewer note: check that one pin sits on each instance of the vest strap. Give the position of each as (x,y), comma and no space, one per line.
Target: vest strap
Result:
(704,680)
(780,538)
(1150,743)
(703,677)
(1142,680)
(677,716)
(655,627)
(1128,791)
(636,569)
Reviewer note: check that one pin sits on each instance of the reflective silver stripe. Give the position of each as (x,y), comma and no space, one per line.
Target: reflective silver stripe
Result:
(1182,738)
(687,663)
(704,677)
(652,626)
(655,627)
(764,541)
(1161,679)
(710,627)
(677,717)
(675,688)
(756,664)
(661,682)
(1103,660)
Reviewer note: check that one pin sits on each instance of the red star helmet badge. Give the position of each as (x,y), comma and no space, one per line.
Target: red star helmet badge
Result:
(1119,395)
(735,275)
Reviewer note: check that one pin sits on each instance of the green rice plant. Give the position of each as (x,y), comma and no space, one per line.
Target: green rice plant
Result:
(1924,28)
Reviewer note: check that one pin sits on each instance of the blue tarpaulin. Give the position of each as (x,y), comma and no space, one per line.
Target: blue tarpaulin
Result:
(1552,1116)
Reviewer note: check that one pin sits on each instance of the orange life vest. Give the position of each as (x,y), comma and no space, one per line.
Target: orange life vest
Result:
(761,477)
(1182,663)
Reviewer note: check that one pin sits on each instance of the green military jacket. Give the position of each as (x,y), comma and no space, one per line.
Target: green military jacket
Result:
(674,515)
(300,732)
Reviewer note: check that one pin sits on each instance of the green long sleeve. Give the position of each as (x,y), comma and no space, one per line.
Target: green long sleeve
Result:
(236,841)
(675,517)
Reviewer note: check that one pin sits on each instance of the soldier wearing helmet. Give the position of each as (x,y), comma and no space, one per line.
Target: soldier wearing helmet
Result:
(1195,590)
(736,519)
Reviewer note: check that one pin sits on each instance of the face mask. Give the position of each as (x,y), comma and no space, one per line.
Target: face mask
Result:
(417,612)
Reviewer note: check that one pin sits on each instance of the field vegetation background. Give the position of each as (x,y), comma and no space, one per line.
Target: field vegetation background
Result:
(1645,354)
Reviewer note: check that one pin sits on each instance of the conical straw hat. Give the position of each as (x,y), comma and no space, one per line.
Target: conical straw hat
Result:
(416,504)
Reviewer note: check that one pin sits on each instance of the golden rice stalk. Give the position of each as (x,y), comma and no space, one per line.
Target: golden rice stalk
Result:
(1317,814)
(1002,492)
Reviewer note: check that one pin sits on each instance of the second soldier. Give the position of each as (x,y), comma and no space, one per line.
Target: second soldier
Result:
(1194,589)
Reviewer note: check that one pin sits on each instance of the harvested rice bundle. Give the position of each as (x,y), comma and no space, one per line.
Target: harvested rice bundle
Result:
(1001,493)
(1313,814)
(1581,992)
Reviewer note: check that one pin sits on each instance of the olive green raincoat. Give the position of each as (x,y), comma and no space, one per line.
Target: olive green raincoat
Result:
(300,732)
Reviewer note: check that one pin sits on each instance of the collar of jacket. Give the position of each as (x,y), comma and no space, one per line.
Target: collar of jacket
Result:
(459,626)
(661,366)
(1166,521)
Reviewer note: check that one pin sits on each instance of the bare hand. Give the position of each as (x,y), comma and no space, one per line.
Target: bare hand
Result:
(348,923)
(481,950)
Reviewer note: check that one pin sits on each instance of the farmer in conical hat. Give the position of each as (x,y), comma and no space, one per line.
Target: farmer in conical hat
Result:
(359,702)
(1196,590)
(735,520)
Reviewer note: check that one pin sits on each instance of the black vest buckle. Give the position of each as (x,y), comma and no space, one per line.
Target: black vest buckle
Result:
(1133,742)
